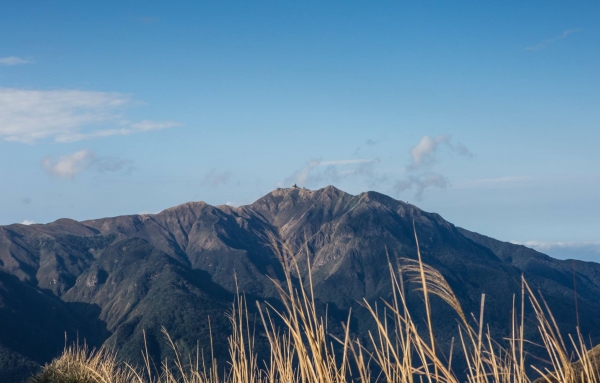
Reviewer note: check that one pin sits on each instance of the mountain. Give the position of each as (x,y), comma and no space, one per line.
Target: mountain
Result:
(110,280)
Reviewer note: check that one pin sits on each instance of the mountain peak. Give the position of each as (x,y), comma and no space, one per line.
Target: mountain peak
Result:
(303,192)
(193,205)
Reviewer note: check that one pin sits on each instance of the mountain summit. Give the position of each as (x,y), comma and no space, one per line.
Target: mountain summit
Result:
(107,280)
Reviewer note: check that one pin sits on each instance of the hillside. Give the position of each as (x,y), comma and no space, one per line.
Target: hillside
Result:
(107,280)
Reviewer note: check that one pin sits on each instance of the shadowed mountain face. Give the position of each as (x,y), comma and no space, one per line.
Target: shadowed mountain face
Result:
(109,280)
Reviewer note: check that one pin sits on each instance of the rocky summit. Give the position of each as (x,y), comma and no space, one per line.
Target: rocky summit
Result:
(109,281)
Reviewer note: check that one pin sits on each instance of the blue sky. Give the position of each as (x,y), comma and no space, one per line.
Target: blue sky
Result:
(485,113)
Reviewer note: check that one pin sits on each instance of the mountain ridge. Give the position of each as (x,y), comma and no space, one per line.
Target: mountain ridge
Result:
(116,277)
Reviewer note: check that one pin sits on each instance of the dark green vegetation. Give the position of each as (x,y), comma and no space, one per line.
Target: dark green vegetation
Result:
(109,279)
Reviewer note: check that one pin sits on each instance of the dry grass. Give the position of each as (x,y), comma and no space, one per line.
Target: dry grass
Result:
(77,364)
(302,350)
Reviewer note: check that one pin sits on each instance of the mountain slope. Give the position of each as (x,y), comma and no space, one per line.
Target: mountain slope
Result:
(114,278)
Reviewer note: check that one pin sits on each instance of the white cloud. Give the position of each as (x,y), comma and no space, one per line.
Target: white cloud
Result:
(67,115)
(138,127)
(546,42)
(301,176)
(27,222)
(424,156)
(14,60)
(417,175)
(424,153)
(319,173)
(68,166)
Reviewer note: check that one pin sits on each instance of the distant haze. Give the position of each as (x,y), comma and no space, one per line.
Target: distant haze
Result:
(562,250)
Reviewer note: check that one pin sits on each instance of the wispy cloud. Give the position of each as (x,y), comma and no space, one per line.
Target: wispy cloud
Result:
(137,127)
(215,179)
(421,183)
(69,166)
(425,152)
(27,222)
(423,156)
(344,162)
(301,175)
(418,174)
(14,60)
(547,42)
(318,172)
(68,115)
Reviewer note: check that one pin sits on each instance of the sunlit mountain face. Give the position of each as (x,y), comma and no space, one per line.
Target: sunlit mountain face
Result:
(108,280)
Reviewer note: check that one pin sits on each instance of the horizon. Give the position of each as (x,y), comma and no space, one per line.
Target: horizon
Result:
(560,250)
(483,113)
